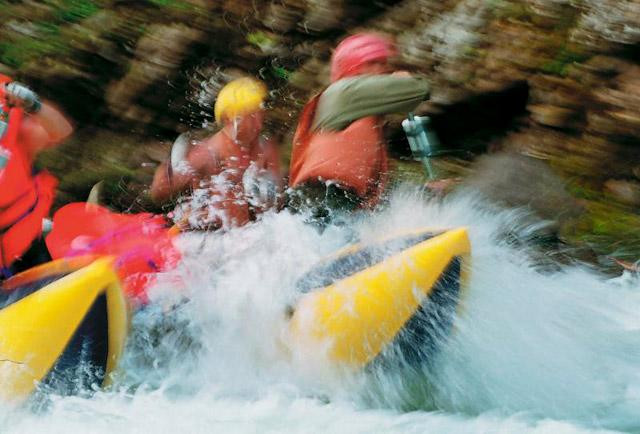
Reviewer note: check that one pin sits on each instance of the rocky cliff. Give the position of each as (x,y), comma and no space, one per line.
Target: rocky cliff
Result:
(556,80)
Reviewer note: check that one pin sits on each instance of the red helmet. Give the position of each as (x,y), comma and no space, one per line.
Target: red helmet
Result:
(355,51)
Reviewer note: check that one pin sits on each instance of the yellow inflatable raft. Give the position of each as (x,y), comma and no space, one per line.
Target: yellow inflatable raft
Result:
(62,325)
(395,297)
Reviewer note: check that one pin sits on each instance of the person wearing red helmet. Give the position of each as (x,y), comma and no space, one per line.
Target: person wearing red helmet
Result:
(339,158)
(27,127)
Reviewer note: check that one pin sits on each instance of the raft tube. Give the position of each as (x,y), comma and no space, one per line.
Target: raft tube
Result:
(62,327)
(395,298)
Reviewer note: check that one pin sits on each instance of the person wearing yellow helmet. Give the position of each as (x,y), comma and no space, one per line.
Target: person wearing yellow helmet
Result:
(229,178)
(240,97)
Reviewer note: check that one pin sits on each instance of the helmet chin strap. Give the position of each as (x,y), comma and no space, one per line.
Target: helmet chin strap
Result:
(233,133)
(234,130)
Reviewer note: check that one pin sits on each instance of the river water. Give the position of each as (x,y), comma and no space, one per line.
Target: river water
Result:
(531,351)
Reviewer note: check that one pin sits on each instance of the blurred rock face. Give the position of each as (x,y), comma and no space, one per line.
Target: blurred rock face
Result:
(516,180)
(627,192)
(158,65)
(158,55)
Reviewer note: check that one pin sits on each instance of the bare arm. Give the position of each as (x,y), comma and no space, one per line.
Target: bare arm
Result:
(56,125)
(164,185)
(44,125)
(40,131)
(183,174)
(161,187)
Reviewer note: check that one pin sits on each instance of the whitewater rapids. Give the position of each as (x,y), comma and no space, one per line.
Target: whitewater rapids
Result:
(531,351)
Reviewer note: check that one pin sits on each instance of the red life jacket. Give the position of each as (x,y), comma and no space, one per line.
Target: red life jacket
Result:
(141,243)
(355,157)
(24,199)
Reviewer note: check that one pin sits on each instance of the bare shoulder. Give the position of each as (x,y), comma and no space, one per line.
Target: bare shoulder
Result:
(203,155)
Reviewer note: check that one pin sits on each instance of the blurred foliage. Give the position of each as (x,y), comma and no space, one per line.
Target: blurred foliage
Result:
(71,11)
(81,50)
(172,4)
(607,227)
(503,9)
(564,59)
(44,38)
(25,48)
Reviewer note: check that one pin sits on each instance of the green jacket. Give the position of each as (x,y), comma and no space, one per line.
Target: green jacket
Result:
(357,97)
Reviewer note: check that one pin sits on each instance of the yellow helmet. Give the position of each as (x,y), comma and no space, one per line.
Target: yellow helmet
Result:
(240,97)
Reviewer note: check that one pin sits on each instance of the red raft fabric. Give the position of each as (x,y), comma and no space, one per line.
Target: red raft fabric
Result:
(141,243)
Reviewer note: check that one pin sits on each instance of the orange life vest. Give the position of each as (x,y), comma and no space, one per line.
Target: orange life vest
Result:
(24,199)
(355,158)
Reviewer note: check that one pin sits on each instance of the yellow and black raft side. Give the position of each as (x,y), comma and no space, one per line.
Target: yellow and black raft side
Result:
(393,299)
(63,327)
